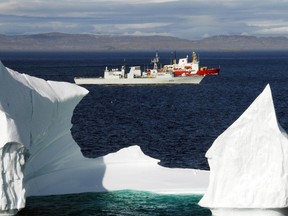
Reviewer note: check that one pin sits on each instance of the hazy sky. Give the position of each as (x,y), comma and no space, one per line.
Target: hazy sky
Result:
(189,19)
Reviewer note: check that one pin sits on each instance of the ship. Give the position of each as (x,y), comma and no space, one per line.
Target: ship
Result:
(183,72)
(186,68)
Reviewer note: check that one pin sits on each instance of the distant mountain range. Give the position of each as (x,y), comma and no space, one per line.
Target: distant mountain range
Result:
(89,42)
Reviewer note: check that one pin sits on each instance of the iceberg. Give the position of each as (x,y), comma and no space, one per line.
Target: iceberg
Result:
(249,164)
(40,157)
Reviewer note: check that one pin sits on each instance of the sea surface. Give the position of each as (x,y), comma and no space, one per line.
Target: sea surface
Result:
(174,123)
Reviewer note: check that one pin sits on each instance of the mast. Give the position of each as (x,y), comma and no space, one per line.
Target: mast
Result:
(174,59)
(194,58)
(155,61)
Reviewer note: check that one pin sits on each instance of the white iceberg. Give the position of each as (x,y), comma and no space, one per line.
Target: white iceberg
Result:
(249,164)
(40,157)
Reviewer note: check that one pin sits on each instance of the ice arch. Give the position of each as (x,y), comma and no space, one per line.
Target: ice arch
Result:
(37,114)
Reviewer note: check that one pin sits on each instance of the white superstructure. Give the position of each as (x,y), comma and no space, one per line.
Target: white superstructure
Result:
(184,64)
(135,77)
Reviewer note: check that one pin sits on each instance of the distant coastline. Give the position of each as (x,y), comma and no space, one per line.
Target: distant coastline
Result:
(89,42)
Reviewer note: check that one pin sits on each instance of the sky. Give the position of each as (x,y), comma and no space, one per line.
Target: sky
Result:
(186,19)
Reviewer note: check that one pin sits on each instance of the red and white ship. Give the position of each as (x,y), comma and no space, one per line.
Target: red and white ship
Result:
(186,68)
(182,73)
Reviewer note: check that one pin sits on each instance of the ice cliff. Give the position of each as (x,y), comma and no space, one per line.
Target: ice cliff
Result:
(249,164)
(40,157)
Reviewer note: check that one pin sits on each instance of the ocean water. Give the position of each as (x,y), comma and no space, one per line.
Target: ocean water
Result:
(174,123)
(115,203)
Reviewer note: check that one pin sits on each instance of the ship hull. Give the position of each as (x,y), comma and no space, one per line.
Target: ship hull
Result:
(209,71)
(202,72)
(139,81)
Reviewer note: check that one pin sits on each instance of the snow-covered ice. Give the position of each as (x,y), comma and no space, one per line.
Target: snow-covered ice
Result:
(142,172)
(40,157)
(249,164)
(129,168)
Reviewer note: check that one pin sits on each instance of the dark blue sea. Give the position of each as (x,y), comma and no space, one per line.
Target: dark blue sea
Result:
(174,123)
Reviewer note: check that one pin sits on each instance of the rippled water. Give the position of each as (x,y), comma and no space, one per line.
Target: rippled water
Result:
(114,203)
(176,124)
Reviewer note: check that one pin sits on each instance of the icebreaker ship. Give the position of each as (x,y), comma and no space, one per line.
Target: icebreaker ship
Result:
(40,157)
(249,164)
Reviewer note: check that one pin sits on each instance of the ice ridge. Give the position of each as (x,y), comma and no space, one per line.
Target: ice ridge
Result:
(248,161)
